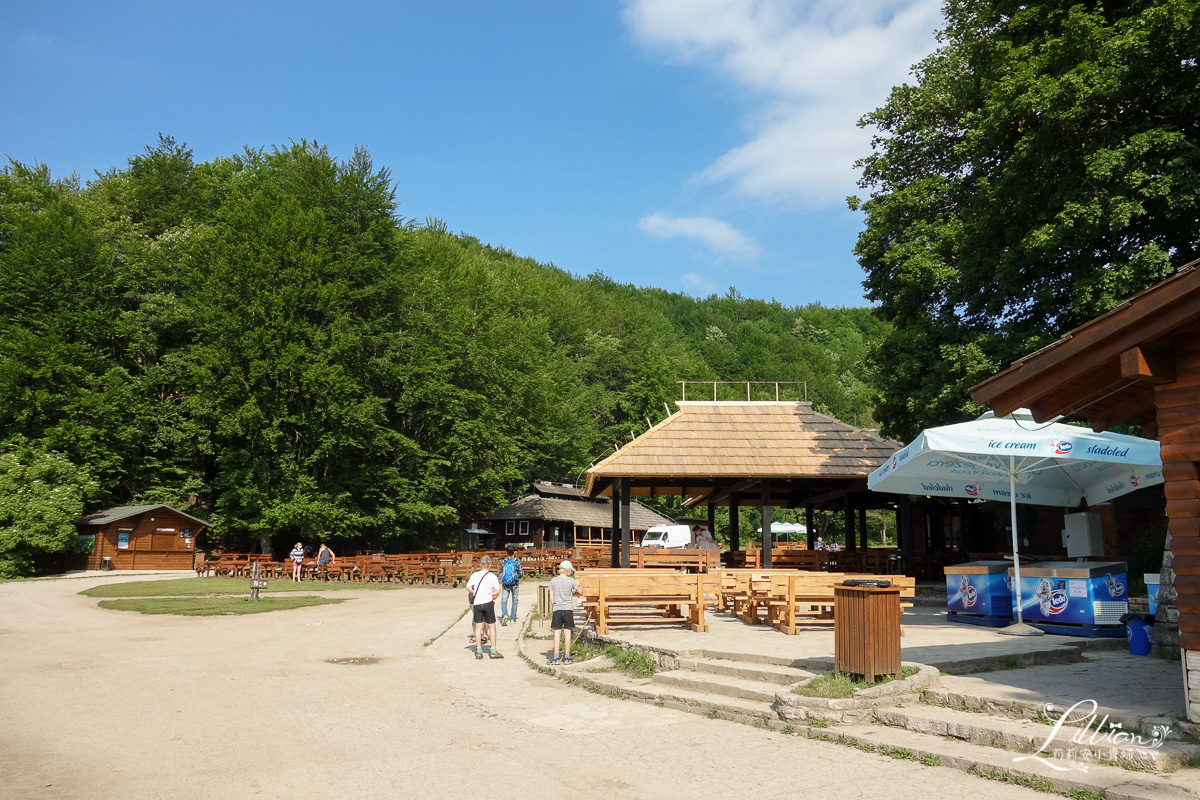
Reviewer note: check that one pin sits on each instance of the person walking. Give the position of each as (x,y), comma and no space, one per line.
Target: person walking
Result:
(511,572)
(484,588)
(563,589)
(297,557)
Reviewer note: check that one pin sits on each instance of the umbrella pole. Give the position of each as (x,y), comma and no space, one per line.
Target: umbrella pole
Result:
(1012,505)
(1020,628)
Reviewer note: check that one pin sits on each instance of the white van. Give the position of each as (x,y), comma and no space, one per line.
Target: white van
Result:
(669,537)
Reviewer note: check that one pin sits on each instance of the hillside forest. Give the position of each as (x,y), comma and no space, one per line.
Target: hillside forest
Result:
(264,341)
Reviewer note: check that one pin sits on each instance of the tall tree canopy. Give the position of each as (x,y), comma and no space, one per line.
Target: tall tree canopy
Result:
(262,340)
(1045,166)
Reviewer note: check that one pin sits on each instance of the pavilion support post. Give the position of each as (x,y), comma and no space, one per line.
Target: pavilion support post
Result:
(862,527)
(904,534)
(735,531)
(848,513)
(626,534)
(765,489)
(808,526)
(966,541)
(616,523)
(712,520)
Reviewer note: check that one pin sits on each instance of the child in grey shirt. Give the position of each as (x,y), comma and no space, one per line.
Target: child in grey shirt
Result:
(563,590)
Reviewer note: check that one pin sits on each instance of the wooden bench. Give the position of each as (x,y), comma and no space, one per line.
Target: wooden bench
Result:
(630,596)
(807,598)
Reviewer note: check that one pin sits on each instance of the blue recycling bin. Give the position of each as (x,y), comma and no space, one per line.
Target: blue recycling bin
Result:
(1140,629)
(1152,583)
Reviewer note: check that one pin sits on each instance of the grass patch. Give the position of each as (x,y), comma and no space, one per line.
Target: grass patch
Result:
(898,752)
(213,606)
(842,684)
(633,663)
(201,587)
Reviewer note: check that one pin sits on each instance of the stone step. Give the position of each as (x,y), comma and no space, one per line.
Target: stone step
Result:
(1036,709)
(766,673)
(722,685)
(1102,780)
(1026,736)
(682,699)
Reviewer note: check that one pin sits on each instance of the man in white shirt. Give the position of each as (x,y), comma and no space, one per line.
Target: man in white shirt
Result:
(484,588)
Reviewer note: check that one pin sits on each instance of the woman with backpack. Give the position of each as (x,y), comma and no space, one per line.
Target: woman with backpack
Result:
(511,572)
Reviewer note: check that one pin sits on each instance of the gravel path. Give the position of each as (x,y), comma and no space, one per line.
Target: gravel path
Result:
(101,704)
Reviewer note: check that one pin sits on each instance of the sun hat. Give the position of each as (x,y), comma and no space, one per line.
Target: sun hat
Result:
(567,566)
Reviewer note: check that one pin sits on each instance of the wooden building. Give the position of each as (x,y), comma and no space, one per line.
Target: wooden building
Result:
(137,537)
(765,454)
(559,514)
(1139,364)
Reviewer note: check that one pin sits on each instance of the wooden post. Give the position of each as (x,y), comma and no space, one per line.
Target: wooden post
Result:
(848,514)
(735,530)
(808,525)
(904,534)
(765,494)
(615,544)
(712,520)
(625,532)
(862,527)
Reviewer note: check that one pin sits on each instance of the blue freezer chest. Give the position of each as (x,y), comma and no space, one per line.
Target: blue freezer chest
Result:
(1075,598)
(979,593)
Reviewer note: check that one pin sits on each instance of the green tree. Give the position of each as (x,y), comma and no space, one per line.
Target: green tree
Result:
(1044,166)
(41,496)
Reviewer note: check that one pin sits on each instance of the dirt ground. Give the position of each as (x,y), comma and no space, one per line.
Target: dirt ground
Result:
(106,704)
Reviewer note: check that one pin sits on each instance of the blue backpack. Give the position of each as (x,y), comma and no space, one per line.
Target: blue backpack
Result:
(508,571)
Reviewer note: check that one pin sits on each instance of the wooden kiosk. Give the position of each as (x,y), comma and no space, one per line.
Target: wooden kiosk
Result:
(137,537)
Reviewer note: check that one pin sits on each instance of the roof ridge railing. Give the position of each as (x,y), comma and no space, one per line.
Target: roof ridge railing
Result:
(748,384)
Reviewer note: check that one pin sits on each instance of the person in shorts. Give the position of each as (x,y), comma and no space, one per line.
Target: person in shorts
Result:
(297,557)
(563,590)
(484,588)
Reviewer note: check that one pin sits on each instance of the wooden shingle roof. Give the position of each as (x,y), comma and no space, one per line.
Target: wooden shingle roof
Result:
(568,503)
(124,512)
(717,442)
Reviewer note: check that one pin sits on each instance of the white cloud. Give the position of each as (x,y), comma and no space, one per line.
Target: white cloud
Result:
(697,285)
(718,235)
(816,66)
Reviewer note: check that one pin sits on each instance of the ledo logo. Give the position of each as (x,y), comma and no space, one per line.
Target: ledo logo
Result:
(1134,481)
(971,489)
(1063,447)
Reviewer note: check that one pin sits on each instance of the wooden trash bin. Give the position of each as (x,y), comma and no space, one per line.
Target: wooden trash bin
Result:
(866,631)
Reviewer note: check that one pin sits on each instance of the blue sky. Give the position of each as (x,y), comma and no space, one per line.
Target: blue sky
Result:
(693,145)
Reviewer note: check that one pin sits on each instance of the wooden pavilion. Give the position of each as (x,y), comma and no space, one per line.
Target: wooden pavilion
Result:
(1139,364)
(562,515)
(766,454)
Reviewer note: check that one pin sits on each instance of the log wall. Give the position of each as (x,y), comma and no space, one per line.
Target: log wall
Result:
(1178,423)
(154,541)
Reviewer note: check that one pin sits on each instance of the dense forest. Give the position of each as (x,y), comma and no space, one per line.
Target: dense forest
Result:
(263,341)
